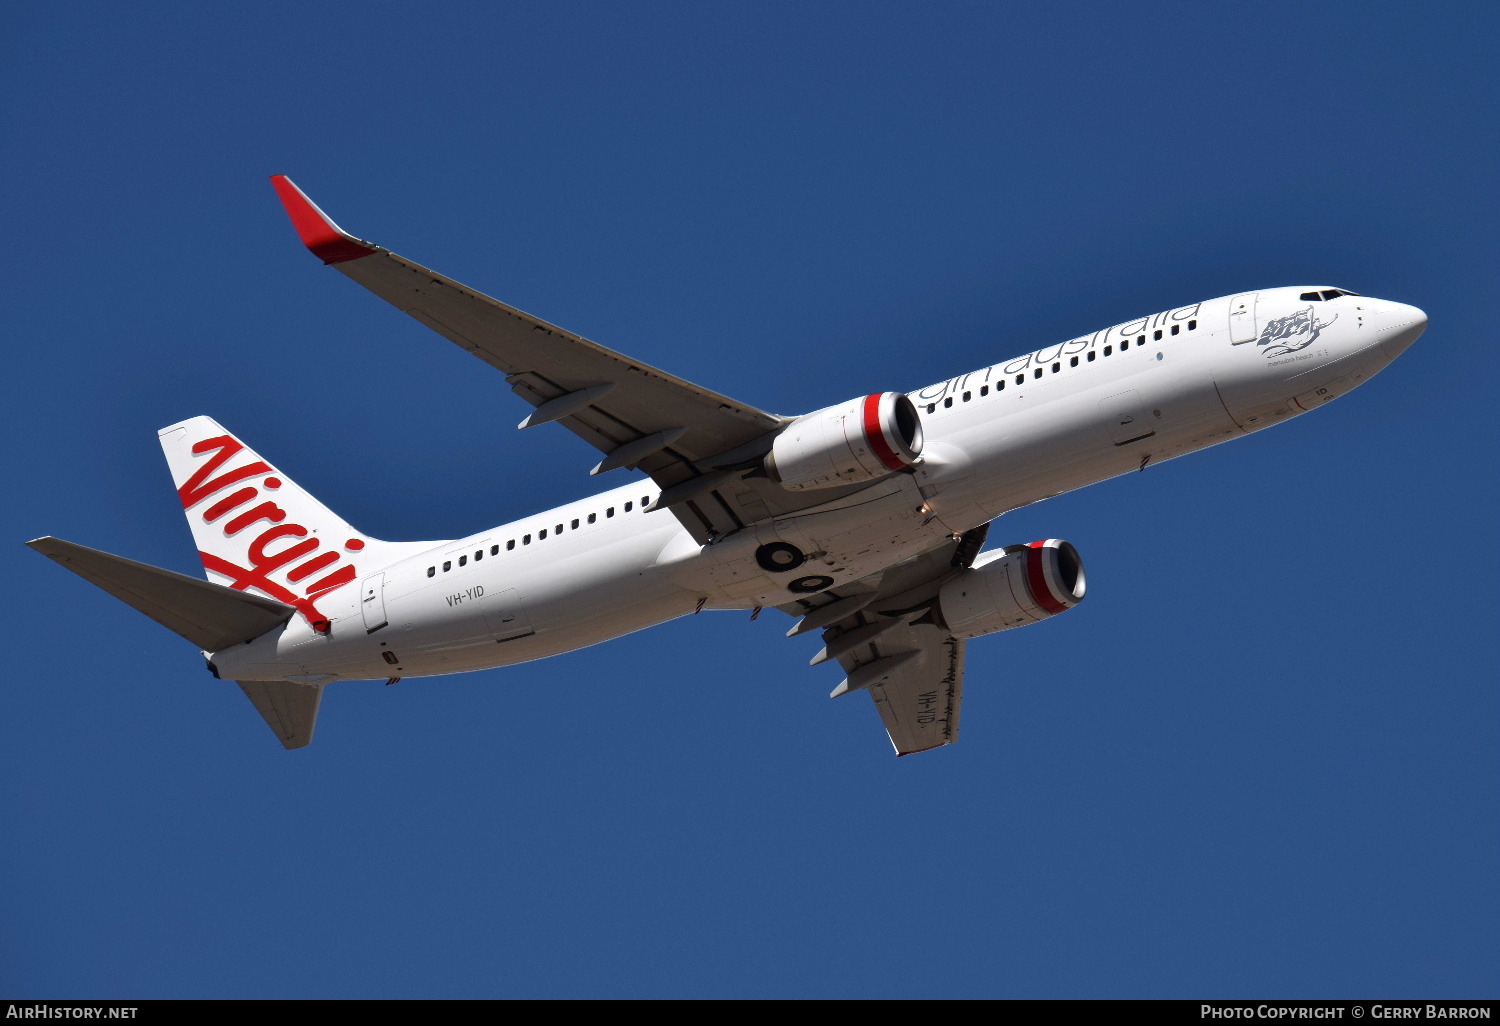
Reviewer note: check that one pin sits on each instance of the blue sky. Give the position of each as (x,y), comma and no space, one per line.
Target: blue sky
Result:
(1259,760)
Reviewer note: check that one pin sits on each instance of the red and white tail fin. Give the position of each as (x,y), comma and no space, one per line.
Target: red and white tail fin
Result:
(257,530)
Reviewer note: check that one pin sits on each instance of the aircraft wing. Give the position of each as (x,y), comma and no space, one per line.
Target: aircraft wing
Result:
(682,435)
(920,698)
(882,632)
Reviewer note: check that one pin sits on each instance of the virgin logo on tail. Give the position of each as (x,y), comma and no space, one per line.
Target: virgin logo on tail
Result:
(273,545)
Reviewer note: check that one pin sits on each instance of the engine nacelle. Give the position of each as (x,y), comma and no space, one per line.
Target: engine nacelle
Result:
(851,443)
(1012,587)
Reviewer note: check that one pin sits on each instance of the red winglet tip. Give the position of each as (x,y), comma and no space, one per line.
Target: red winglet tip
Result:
(328,241)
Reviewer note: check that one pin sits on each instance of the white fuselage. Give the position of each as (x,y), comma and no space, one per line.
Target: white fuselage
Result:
(996,439)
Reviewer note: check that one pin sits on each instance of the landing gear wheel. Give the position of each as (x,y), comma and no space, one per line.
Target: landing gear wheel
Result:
(779,557)
(807,585)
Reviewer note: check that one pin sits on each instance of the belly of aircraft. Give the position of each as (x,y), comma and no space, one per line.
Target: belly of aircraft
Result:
(1087,437)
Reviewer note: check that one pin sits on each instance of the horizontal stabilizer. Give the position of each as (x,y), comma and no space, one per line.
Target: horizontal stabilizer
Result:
(291,709)
(209,615)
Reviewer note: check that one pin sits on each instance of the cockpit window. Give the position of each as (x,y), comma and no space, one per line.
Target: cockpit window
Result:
(1314,297)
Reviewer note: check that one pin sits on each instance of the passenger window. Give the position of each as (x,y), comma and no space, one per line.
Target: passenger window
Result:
(1140,340)
(1192,325)
(609,512)
(525,539)
(984,390)
(1108,350)
(431,571)
(932,407)
(541,535)
(645,501)
(593,517)
(510,545)
(478,555)
(1000,385)
(574,525)
(1124,345)
(628,504)
(1091,356)
(948,403)
(494,550)
(463,560)
(1073,362)
(447,565)
(1057,367)
(1176,328)
(1157,334)
(1036,373)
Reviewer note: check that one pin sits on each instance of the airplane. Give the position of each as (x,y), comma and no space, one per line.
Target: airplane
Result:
(866,520)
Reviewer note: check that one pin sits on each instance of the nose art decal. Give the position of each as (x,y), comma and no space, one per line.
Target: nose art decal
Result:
(1290,333)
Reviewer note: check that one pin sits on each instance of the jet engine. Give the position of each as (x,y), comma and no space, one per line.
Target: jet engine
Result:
(1011,587)
(851,443)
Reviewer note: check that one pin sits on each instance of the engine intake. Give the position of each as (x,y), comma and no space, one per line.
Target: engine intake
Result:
(851,443)
(1012,587)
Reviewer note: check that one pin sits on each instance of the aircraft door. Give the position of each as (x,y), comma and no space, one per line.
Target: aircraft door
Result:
(1242,319)
(1125,419)
(372,603)
(506,616)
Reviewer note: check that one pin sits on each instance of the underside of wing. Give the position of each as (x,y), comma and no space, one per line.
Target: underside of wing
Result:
(544,363)
(689,439)
(920,698)
(882,632)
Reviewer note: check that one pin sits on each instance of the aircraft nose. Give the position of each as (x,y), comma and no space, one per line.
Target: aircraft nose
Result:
(1404,326)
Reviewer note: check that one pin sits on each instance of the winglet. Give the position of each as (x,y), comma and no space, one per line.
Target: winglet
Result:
(328,241)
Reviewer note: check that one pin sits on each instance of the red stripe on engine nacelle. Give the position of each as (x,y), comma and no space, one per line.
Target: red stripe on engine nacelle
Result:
(1036,579)
(876,436)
